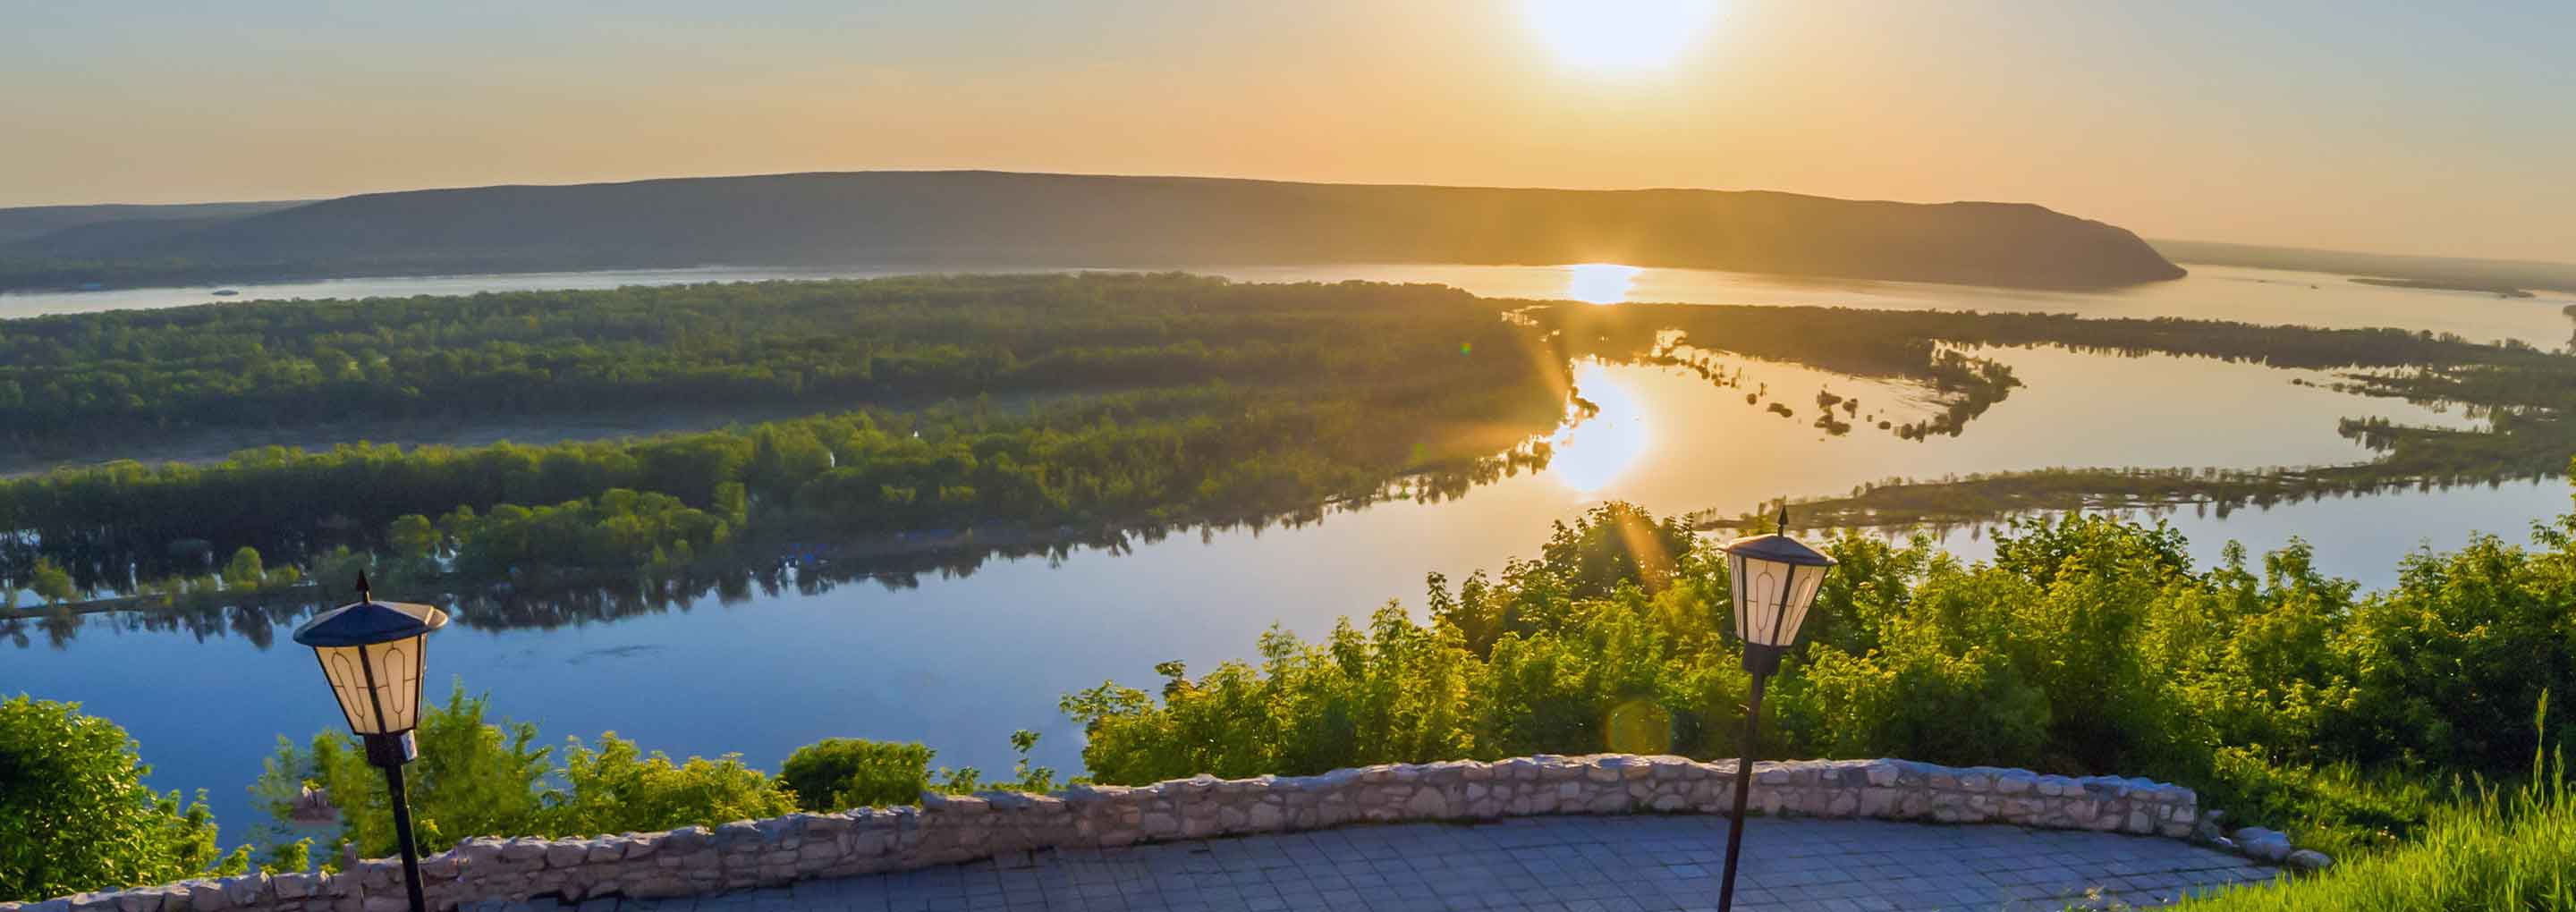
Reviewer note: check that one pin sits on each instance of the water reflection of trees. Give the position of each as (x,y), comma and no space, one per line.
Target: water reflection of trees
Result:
(803,569)
(260,623)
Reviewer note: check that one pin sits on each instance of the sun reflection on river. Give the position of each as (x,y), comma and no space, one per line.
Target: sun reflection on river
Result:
(1592,453)
(1600,283)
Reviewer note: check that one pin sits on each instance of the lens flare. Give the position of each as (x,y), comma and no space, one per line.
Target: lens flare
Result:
(1638,726)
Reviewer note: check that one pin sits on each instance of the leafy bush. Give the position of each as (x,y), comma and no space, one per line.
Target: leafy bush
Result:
(475,778)
(2445,666)
(839,773)
(1393,694)
(617,789)
(1917,703)
(75,816)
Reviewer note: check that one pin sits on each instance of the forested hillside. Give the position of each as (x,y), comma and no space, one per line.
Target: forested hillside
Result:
(917,218)
(23,222)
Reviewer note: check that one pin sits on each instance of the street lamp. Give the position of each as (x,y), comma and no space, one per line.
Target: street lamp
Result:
(1775,579)
(371,652)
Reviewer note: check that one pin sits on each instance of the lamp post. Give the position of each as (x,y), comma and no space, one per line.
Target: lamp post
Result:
(372,653)
(1775,579)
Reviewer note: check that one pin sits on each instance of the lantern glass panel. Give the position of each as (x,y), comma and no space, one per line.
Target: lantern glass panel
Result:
(391,669)
(1772,597)
(1802,596)
(1760,586)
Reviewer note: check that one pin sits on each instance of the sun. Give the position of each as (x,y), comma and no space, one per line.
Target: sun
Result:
(1600,283)
(1619,34)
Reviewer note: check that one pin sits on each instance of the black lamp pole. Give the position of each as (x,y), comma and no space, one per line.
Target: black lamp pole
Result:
(391,752)
(402,831)
(1760,661)
(1774,581)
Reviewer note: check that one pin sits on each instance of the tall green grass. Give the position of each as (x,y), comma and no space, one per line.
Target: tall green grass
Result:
(2504,849)
(2340,809)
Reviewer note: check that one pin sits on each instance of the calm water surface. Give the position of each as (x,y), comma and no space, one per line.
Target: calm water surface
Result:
(960,661)
(2209,293)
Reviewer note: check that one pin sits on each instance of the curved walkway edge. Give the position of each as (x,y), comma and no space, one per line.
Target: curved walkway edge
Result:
(951,830)
(1631,863)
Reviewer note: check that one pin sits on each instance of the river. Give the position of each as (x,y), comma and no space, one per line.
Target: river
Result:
(2208,293)
(960,660)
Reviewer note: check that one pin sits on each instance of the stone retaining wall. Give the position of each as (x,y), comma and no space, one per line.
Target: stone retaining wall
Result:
(945,829)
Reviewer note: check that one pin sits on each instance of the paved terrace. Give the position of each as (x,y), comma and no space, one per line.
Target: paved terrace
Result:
(1538,863)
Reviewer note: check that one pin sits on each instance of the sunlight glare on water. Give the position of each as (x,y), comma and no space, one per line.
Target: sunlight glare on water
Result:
(1595,451)
(1600,283)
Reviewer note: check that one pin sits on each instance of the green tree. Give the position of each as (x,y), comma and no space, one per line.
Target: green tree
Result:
(75,815)
(733,503)
(51,583)
(412,537)
(244,570)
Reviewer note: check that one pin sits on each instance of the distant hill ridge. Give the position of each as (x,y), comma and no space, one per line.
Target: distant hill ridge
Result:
(999,218)
(25,222)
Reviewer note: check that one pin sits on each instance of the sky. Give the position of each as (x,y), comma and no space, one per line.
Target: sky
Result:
(2440,129)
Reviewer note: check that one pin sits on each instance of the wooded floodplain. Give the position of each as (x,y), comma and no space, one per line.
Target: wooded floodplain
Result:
(1012,410)
(1205,400)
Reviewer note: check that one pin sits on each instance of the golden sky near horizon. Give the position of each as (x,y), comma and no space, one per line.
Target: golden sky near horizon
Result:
(2390,128)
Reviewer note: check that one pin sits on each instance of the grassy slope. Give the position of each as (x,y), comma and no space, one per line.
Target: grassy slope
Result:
(2502,852)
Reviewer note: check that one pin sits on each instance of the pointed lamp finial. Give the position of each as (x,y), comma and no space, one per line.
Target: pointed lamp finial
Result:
(1784,519)
(363,594)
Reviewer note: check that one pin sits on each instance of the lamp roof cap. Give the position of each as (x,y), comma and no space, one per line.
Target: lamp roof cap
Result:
(368,622)
(1778,548)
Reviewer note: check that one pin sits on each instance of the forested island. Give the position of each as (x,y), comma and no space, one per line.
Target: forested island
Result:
(79,382)
(2501,291)
(1206,400)
(1059,220)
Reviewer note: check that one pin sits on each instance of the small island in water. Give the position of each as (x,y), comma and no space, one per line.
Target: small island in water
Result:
(2501,291)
